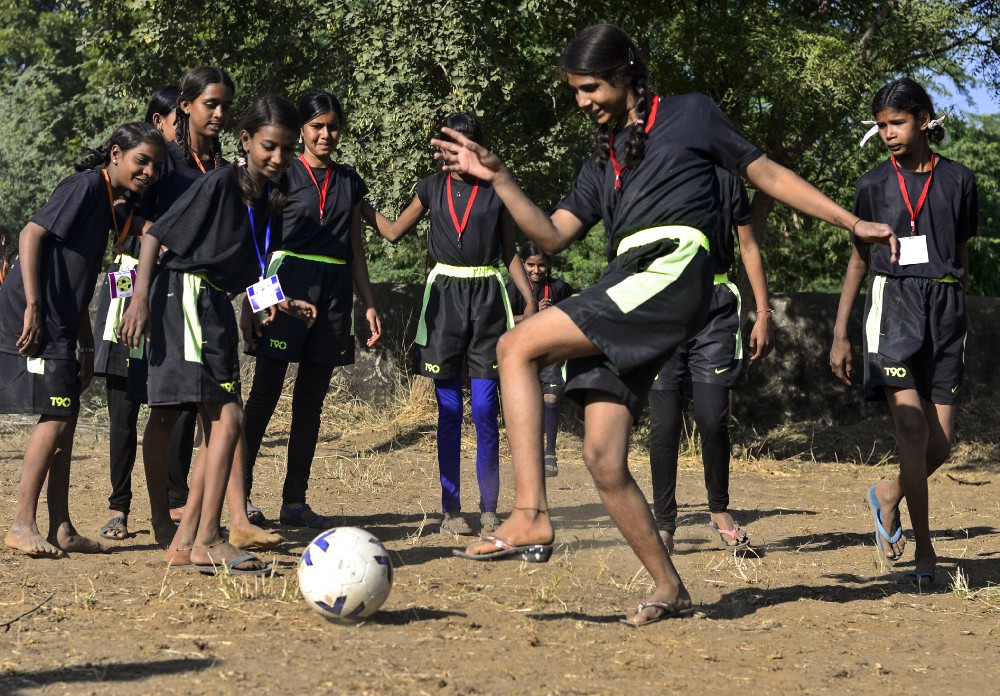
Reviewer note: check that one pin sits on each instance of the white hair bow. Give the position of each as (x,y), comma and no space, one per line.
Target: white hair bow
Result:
(873,131)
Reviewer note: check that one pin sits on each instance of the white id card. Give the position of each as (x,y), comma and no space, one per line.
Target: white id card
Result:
(265,293)
(121,283)
(912,250)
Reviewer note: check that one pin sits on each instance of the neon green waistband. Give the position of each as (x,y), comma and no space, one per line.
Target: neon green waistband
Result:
(202,276)
(655,234)
(308,257)
(464,271)
(721,278)
(946,279)
(126,262)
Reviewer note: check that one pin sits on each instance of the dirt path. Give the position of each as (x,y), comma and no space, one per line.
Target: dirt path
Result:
(817,612)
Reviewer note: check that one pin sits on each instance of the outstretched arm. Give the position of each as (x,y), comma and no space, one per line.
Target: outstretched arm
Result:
(782,184)
(762,335)
(551,234)
(393,230)
(840,352)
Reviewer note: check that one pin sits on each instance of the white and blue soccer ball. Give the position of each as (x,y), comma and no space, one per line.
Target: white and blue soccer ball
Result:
(345,574)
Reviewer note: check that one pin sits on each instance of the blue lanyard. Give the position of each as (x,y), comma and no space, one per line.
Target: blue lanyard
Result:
(267,236)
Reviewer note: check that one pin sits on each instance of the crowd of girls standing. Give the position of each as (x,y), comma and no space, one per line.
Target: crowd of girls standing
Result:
(655,180)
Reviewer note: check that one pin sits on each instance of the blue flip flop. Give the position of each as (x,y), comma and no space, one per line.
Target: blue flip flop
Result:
(880,533)
(922,581)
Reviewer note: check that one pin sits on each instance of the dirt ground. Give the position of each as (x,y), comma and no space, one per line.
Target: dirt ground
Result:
(817,611)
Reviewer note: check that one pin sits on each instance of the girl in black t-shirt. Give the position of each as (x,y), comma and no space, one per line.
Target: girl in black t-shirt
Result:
(111,358)
(465,311)
(547,291)
(652,182)
(218,235)
(322,259)
(46,341)
(915,321)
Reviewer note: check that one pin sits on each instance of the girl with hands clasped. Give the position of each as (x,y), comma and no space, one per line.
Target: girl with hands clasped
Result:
(46,338)
(652,181)
(915,318)
(218,235)
(322,260)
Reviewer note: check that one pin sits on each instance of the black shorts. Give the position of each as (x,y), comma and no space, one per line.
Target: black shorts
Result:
(715,355)
(552,378)
(194,342)
(462,318)
(329,286)
(46,386)
(650,299)
(915,338)
(110,355)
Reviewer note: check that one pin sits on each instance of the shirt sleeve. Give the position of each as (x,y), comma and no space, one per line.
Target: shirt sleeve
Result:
(862,206)
(730,149)
(516,301)
(741,204)
(425,192)
(968,214)
(182,224)
(77,195)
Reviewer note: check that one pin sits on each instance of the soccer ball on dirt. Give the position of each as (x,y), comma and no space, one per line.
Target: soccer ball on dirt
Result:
(345,574)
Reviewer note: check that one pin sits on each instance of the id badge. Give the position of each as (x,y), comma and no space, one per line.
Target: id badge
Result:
(265,293)
(121,283)
(912,250)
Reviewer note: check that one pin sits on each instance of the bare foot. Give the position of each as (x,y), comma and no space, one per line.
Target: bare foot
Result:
(890,512)
(668,539)
(179,558)
(220,553)
(69,540)
(730,532)
(523,528)
(176,514)
(163,532)
(664,604)
(253,537)
(26,538)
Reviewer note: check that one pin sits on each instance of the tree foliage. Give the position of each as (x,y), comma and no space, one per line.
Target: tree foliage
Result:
(795,76)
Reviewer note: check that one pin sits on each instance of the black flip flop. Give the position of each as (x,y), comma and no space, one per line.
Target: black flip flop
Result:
(532,553)
(668,613)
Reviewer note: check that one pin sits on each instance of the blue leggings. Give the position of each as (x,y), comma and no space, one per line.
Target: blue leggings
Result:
(485,412)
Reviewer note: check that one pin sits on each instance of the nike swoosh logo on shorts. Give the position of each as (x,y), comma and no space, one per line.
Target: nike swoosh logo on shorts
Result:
(720,370)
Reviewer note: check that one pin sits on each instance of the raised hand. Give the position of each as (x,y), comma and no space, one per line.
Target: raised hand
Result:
(466,157)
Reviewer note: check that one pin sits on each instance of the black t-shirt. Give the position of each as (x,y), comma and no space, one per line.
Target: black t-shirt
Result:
(481,239)
(674,184)
(176,177)
(78,218)
(557,292)
(208,232)
(735,211)
(949,216)
(304,231)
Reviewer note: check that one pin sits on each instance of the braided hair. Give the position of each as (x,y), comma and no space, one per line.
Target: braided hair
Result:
(907,95)
(126,137)
(193,84)
(267,111)
(606,52)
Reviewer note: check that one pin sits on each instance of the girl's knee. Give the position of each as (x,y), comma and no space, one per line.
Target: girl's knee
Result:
(607,470)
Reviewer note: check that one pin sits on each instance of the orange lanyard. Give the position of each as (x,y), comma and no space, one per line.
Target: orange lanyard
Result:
(197,160)
(114,219)
(614,160)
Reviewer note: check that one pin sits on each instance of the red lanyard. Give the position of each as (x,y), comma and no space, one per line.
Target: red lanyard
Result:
(460,228)
(545,294)
(906,196)
(326,182)
(120,235)
(614,160)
